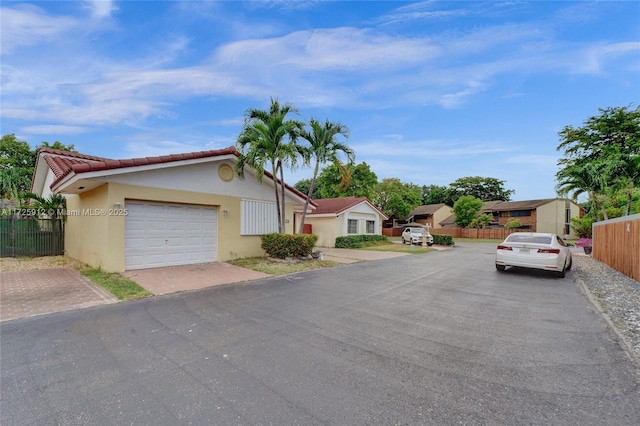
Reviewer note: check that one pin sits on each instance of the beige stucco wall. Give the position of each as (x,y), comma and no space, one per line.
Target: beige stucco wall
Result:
(325,229)
(440,215)
(99,240)
(551,217)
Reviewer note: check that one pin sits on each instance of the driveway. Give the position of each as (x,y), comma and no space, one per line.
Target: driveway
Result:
(440,338)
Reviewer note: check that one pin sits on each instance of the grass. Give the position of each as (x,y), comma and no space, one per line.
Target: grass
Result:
(121,287)
(271,267)
(478,240)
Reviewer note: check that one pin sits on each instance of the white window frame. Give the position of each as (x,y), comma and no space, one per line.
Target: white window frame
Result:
(371,223)
(258,217)
(349,221)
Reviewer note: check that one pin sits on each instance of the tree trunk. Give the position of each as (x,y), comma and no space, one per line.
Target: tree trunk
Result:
(275,187)
(306,203)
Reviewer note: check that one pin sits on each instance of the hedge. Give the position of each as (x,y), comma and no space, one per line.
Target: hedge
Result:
(282,246)
(444,240)
(358,241)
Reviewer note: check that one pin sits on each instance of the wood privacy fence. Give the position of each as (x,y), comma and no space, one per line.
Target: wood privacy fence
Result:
(616,242)
(484,233)
(31,237)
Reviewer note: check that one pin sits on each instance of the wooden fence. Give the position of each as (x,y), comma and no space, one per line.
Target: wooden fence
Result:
(616,242)
(31,237)
(478,233)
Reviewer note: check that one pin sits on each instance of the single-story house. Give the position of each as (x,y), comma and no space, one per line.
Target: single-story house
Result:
(161,211)
(544,215)
(431,214)
(337,217)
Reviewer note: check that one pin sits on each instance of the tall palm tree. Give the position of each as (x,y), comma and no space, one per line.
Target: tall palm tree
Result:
(577,179)
(268,138)
(325,148)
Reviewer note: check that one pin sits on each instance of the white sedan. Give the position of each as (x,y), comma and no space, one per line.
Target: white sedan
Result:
(534,250)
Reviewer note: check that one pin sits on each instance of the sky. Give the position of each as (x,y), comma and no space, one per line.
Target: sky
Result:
(431,91)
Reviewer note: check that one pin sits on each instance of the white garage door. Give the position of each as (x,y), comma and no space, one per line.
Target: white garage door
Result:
(162,234)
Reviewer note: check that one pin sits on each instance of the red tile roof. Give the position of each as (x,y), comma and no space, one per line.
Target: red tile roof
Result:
(339,205)
(64,163)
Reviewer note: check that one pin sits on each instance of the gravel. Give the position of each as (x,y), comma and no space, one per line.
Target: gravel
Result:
(616,295)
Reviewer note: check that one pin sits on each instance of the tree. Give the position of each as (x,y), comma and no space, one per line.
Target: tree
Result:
(362,183)
(513,223)
(481,221)
(17,161)
(304,185)
(608,145)
(466,209)
(396,198)
(434,194)
(484,188)
(53,207)
(268,138)
(56,145)
(325,148)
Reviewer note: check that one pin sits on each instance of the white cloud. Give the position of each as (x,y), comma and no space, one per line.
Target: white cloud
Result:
(47,129)
(27,25)
(100,9)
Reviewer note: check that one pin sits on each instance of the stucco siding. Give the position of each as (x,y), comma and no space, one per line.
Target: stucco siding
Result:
(551,217)
(440,215)
(325,229)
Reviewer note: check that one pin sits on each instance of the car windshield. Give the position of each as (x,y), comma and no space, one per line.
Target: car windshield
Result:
(535,239)
(416,230)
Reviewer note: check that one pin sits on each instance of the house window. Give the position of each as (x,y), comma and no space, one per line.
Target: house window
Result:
(352,226)
(258,217)
(520,213)
(371,226)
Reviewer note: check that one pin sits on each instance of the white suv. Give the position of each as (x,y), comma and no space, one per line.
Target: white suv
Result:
(413,235)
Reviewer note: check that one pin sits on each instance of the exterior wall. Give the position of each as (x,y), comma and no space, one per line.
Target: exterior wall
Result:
(440,215)
(530,221)
(325,228)
(99,240)
(552,217)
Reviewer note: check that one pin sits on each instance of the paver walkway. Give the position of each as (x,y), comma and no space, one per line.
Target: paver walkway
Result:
(44,291)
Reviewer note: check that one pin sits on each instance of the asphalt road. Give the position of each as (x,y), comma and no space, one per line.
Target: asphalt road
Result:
(439,338)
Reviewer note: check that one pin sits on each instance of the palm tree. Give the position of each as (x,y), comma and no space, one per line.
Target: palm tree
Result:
(324,148)
(263,142)
(587,178)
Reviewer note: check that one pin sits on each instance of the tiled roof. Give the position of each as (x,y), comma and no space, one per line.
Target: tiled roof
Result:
(339,205)
(64,163)
(520,205)
(426,209)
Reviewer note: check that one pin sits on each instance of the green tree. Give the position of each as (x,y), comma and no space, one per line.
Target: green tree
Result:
(481,221)
(304,185)
(466,208)
(53,207)
(362,183)
(484,188)
(513,223)
(434,194)
(396,198)
(17,161)
(608,143)
(57,145)
(576,179)
(268,138)
(324,147)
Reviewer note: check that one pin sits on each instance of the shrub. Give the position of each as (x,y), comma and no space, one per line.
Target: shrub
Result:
(444,240)
(358,241)
(282,246)
(582,226)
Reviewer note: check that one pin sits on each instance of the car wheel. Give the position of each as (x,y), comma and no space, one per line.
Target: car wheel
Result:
(561,274)
(500,267)
(403,241)
(429,244)
(568,268)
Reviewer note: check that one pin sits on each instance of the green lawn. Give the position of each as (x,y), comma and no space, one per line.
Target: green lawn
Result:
(121,287)
(272,267)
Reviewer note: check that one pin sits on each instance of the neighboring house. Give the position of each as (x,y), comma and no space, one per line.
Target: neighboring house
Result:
(431,214)
(161,211)
(337,217)
(545,215)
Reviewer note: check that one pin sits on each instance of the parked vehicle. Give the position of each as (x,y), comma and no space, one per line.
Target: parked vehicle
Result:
(413,235)
(534,250)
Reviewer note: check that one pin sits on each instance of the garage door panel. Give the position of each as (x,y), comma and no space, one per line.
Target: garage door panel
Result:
(160,234)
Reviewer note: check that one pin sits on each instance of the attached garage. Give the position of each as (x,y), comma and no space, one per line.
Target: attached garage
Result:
(168,234)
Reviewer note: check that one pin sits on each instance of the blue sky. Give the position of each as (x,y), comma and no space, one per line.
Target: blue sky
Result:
(431,91)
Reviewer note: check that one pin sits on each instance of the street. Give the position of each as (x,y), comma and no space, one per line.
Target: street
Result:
(438,338)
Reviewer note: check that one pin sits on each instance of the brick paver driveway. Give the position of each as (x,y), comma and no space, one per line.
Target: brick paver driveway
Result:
(44,291)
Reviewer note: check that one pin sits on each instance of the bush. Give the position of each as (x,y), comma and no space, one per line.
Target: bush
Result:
(359,241)
(444,240)
(282,246)
(582,226)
